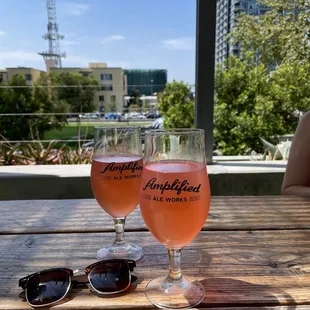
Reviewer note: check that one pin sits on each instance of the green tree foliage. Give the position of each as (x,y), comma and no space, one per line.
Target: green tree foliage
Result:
(290,90)
(176,104)
(262,93)
(134,98)
(235,121)
(76,90)
(280,35)
(43,101)
(252,102)
(19,98)
(110,107)
(15,100)
(147,104)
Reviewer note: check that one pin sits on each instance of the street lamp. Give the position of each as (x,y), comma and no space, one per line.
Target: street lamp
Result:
(152,87)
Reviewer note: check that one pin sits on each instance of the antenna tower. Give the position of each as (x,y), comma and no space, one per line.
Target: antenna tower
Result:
(53,56)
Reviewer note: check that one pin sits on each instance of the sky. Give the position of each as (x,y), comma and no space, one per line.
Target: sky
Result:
(143,34)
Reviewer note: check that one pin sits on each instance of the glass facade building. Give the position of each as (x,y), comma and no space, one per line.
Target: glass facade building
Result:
(147,82)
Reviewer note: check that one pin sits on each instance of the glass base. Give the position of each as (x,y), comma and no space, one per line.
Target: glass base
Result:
(124,251)
(175,295)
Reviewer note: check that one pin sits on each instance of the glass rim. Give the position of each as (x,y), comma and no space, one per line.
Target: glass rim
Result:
(174,131)
(124,127)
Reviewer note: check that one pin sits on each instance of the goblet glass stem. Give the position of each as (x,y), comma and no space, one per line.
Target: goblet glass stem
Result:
(119,224)
(175,273)
(175,291)
(120,248)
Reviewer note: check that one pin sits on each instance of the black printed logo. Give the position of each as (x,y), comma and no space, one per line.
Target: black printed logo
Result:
(133,166)
(176,185)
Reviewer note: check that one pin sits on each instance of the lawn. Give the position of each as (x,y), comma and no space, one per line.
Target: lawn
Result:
(71,131)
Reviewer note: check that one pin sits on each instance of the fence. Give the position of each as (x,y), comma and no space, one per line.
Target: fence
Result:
(77,128)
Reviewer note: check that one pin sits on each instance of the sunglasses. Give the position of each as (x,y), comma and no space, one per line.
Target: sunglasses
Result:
(48,287)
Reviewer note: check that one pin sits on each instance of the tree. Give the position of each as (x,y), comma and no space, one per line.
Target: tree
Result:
(135,98)
(253,103)
(262,93)
(110,107)
(15,100)
(176,104)
(279,36)
(239,87)
(147,104)
(18,97)
(77,90)
(43,101)
(290,93)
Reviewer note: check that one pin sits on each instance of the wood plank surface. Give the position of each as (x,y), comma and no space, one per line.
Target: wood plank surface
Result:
(238,269)
(307,307)
(226,213)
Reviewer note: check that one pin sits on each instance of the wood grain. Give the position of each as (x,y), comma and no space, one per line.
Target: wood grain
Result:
(238,269)
(260,308)
(226,213)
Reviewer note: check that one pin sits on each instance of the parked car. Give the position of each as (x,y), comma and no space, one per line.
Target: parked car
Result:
(110,116)
(153,115)
(134,115)
(117,116)
(90,115)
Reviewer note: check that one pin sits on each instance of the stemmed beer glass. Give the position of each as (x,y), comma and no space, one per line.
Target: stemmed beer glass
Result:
(175,202)
(115,180)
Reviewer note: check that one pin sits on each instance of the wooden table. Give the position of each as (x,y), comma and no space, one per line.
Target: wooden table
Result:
(253,252)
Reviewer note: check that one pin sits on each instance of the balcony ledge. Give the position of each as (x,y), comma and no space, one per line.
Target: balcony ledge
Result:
(228,176)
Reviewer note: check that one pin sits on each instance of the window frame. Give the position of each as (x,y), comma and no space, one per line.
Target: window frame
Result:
(28,75)
(108,87)
(103,75)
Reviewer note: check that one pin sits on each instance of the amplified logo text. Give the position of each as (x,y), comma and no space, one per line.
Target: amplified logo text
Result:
(133,166)
(176,185)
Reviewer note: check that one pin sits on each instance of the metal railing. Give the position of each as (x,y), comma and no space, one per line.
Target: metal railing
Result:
(82,124)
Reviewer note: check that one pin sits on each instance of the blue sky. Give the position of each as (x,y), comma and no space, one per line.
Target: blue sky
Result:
(123,33)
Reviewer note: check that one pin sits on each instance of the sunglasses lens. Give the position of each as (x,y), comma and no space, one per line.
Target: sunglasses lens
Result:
(48,287)
(110,277)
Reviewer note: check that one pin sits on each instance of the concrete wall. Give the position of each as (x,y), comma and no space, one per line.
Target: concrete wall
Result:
(72,181)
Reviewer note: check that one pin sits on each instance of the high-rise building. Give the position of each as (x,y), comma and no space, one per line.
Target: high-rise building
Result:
(147,82)
(227,12)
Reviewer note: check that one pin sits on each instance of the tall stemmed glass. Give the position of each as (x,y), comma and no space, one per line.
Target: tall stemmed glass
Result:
(175,202)
(115,180)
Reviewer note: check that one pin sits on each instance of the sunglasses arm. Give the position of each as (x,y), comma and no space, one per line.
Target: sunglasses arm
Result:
(23,282)
(131,264)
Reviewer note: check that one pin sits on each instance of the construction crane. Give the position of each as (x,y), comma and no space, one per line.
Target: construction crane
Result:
(53,56)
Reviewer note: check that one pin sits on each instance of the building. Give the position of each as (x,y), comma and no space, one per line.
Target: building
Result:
(227,11)
(112,82)
(222,29)
(31,75)
(151,101)
(147,82)
(3,75)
